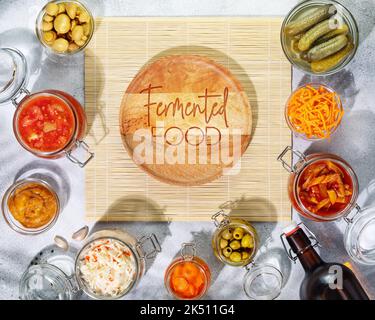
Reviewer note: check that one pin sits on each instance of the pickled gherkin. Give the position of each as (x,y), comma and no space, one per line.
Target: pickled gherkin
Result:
(332,61)
(308,21)
(321,29)
(328,48)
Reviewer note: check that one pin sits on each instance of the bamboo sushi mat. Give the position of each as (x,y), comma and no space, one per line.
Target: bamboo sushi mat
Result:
(116,189)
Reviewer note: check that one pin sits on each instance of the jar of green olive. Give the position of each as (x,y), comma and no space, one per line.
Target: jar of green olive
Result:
(235,241)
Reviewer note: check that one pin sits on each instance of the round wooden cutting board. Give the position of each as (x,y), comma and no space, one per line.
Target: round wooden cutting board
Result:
(185,119)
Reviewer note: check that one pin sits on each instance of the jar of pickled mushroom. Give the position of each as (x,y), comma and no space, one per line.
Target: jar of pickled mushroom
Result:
(65,27)
(322,187)
(112,262)
(31,206)
(50,124)
(188,277)
(235,242)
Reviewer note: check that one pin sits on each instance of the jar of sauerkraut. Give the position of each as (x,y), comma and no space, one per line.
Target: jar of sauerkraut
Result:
(112,262)
(109,265)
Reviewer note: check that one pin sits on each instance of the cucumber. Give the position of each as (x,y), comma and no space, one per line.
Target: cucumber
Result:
(332,61)
(315,33)
(306,22)
(327,48)
(343,29)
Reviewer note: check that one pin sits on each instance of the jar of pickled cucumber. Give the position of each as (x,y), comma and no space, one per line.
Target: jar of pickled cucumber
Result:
(235,241)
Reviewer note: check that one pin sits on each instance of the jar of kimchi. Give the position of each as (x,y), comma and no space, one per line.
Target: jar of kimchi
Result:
(322,187)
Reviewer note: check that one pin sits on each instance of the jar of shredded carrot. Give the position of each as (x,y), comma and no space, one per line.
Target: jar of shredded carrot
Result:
(188,277)
(314,111)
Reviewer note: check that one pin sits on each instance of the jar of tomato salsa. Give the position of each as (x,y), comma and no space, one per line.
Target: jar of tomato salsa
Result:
(322,187)
(49,124)
(188,277)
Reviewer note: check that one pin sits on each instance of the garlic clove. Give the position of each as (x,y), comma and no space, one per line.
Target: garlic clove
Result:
(81,234)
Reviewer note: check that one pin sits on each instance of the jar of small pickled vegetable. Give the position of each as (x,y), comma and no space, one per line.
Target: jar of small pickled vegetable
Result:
(112,262)
(235,242)
(188,277)
(320,37)
(49,124)
(322,187)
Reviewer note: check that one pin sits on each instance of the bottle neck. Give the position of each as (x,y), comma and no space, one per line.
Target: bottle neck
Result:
(301,246)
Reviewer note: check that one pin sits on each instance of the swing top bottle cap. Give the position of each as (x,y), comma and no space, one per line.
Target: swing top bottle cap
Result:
(291,228)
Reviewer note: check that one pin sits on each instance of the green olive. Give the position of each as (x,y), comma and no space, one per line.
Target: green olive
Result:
(61,8)
(71,10)
(245,255)
(84,17)
(62,23)
(77,33)
(227,234)
(49,36)
(227,252)
(247,241)
(60,45)
(235,245)
(47,26)
(238,233)
(235,257)
(52,9)
(223,243)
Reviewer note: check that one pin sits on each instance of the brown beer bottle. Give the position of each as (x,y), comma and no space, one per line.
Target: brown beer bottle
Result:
(323,281)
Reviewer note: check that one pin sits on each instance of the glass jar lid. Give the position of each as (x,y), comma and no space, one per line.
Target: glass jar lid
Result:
(263,282)
(360,236)
(50,276)
(13,72)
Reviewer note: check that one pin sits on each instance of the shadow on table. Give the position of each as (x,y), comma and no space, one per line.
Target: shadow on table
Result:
(342,82)
(52,174)
(134,205)
(95,105)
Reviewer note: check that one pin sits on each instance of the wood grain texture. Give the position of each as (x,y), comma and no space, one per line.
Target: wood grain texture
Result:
(118,190)
(205,144)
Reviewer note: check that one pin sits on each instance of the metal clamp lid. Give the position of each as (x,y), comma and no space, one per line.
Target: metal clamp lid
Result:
(185,253)
(13,74)
(348,218)
(286,165)
(86,148)
(155,246)
(20,95)
(220,222)
(310,234)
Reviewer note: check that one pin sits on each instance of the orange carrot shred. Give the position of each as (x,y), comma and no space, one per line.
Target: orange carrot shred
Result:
(314,112)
